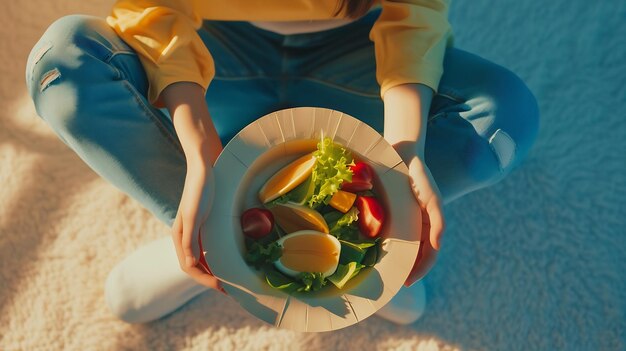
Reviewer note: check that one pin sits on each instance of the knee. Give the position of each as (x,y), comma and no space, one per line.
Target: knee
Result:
(59,60)
(520,113)
(61,49)
(55,44)
(513,120)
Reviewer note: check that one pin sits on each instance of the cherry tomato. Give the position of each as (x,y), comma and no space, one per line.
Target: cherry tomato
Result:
(361,178)
(257,222)
(371,216)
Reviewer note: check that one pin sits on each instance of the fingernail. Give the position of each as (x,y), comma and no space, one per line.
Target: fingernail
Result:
(190,261)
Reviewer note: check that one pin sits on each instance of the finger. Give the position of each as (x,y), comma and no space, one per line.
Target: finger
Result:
(196,272)
(190,231)
(203,278)
(220,286)
(425,260)
(177,233)
(217,285)
(437,224)
(195,246)
(425,230)
(202,257)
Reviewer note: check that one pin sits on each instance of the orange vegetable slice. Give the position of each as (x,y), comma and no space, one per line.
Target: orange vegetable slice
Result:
(342,200)
(287,178)
(292,217)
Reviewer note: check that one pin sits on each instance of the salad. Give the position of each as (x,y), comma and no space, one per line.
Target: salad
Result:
(320,222)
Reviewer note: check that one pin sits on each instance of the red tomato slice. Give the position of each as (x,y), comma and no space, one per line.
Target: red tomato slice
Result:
(257,222)
(361,178)
(371,216)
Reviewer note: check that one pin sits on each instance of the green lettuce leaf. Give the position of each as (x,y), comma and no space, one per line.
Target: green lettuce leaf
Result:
(311,281)
(331,168)
(259,254)
(345,227)
(304,282)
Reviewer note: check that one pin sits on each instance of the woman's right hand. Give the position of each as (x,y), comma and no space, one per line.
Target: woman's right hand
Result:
(201,145)
(193,212)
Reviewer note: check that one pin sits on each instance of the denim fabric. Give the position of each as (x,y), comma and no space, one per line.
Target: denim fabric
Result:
(89,86)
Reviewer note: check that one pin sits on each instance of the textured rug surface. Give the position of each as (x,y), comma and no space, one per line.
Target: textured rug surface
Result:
(536,262)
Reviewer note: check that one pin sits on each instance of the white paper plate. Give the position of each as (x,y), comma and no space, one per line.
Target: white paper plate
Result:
(254,155)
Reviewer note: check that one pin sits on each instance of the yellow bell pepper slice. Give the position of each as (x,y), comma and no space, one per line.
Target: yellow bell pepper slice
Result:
(342,200)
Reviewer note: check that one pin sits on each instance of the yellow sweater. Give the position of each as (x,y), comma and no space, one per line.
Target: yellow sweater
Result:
(410,36)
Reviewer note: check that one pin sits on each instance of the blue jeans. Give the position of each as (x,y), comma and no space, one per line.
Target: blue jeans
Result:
(90,87)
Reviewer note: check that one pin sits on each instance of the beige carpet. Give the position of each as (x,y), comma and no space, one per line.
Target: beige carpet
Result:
(514,274)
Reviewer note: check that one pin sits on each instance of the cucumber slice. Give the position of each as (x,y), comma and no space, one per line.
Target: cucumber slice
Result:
(350,252)
(344,273)
(302,192)
(361,245)
(372,255)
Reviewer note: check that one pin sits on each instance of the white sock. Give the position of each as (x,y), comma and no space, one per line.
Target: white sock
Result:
(407,306)
(149,284)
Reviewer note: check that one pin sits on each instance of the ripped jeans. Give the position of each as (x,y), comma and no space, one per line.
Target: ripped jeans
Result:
(90,87)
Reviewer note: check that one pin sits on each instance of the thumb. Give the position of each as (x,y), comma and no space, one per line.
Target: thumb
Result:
(437,224)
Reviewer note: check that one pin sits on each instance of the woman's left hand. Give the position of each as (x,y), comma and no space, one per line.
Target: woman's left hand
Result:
(406,110)
(427,193)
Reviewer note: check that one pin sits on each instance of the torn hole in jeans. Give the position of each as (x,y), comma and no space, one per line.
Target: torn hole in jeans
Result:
(504,147)
(42,51)
(37,56)
(48,78)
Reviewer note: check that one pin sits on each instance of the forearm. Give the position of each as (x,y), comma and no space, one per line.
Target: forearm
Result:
(406,112)
(190,115)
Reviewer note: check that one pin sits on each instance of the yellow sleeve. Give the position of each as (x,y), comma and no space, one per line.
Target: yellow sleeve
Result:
(163,33)
(410,38)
